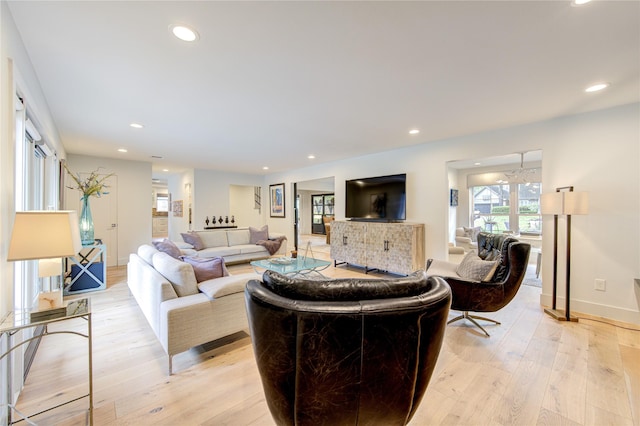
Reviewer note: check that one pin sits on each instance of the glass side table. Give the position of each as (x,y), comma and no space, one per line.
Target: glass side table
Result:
(20,320)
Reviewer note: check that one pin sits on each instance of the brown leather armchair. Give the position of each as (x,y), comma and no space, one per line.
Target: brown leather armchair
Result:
(486,296)
(346,351)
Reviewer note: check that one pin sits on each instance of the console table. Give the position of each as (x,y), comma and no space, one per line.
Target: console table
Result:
(391,247)
(87,270)
(20,320)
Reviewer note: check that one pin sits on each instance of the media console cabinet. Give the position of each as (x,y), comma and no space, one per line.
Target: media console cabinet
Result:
(391,247)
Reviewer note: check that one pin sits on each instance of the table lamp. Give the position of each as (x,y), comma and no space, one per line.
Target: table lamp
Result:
(50,235)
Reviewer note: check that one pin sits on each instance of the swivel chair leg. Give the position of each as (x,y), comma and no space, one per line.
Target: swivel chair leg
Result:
(473,318)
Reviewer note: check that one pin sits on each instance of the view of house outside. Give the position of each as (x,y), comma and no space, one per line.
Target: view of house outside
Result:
(491,206)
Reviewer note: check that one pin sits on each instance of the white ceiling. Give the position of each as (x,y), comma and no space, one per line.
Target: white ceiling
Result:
(269,83)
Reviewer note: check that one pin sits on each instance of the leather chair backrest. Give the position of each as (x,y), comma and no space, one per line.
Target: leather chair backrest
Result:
(335,351)
(496,247)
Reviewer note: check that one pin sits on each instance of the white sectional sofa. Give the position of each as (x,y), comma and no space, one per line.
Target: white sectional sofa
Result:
(182,312)
(234,245)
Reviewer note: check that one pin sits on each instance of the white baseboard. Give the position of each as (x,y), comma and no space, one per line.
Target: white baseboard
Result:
(578,307)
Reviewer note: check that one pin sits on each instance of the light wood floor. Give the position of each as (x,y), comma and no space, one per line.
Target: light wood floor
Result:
(531,371)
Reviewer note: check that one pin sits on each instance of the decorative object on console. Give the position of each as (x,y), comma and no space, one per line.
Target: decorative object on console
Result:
(563,202)
(206,221)
(91,186)
(276,199)
(220,220)
(233,220)
(45,235)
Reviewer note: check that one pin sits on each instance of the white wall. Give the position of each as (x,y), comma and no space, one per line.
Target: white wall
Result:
(211,194)
(241,206)
(134,198)
(596,152)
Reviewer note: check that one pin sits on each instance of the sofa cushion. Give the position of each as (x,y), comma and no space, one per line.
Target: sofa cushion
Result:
(225,286)
(476,269)
(180,274)
(146,252)
(168,246)
(256,234)
(252,248)
(194,239)
(206,269)
(218,252)
(238,237)
(214,238)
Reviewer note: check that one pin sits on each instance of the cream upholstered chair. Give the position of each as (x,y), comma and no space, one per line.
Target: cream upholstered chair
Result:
(467,238)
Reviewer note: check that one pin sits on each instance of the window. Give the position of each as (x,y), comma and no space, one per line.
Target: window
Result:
(162,203)
(507,207)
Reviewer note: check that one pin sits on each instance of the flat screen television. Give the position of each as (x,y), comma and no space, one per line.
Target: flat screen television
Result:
(381,198)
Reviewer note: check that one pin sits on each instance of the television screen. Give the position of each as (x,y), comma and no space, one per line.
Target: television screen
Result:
(381,198)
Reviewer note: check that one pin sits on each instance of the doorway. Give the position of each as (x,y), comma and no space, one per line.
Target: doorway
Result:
(309,216)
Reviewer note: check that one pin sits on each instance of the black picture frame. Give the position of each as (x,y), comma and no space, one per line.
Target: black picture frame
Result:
(276,200)
(453,197)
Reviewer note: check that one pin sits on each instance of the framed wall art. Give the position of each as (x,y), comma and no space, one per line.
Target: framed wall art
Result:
(276,200)
(177,208)
(453,197)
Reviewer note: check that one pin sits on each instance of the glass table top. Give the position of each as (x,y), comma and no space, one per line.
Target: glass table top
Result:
(21,319)
(287,265)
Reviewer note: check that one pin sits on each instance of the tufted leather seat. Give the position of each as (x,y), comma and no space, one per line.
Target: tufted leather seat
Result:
(346,351)
(486,296)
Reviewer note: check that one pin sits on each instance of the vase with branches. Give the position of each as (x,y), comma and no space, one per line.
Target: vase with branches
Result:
(93,185)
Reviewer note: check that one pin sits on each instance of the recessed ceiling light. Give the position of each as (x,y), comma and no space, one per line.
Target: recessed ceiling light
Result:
(476,164)
(184,33)
(136,125)
(165,170)
(579,2)
(311,157)
(414,132)
(122,150)
(265,168)
(596,87)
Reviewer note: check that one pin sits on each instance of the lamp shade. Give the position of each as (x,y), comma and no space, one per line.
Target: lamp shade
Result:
(551,203)
(44,235)
(576,203)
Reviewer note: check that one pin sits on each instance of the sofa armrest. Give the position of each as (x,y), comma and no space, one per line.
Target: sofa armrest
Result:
(442,268)
(192,320)
(282,251)
(464,240)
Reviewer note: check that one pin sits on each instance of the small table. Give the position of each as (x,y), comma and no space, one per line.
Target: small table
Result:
(87,270)
(19,320)
(292,267)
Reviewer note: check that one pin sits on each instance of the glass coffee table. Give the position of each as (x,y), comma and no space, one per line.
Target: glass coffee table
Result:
(292,267)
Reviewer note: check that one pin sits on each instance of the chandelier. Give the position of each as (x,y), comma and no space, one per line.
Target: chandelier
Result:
(520,175)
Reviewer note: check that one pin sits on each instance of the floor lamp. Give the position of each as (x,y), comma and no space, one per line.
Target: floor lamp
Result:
(563,202)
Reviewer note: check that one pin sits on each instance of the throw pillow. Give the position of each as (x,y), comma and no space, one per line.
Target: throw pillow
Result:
(475,269)
(206,269)
(193,239)
(258,234)
(167,246)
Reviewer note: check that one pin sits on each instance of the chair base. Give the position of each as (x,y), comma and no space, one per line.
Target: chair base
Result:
(473,318)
